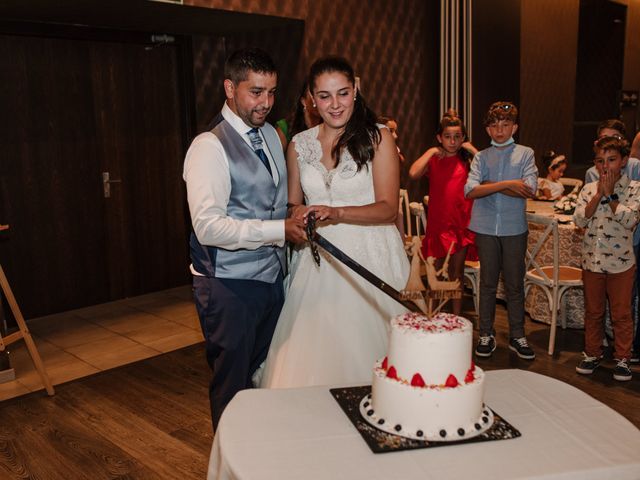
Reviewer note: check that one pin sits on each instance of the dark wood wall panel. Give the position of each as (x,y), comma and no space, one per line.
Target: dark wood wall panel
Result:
(209,54)
(496,60)
(549,43)
(599,71)
(284,44)
(280,8)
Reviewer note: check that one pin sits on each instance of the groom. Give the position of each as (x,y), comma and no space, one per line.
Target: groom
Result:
(237,192)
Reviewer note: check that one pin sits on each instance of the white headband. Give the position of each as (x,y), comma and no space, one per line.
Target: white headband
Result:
(559,159)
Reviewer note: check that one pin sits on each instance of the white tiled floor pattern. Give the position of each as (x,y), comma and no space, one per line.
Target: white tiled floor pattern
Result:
(82,342)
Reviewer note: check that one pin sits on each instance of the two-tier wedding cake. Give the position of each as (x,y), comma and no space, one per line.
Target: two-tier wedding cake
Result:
(427,387)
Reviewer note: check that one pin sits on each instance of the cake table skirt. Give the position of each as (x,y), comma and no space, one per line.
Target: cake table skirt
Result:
(303,434)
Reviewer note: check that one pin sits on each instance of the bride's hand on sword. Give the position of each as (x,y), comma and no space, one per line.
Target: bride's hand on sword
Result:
(325,213)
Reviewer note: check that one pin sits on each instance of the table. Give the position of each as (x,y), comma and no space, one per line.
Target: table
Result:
(303,434)
(536,303)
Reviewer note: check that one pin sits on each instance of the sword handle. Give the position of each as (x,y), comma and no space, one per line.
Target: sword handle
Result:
(311,236)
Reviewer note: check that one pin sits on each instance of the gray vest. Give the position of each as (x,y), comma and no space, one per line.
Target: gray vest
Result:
(253,195)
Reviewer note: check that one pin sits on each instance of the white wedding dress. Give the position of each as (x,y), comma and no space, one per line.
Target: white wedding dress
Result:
(334,324)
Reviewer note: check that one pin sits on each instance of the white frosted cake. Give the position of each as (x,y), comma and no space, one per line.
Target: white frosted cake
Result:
(427,387)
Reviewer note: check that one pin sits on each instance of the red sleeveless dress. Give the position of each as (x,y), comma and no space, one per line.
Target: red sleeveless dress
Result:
(449,211)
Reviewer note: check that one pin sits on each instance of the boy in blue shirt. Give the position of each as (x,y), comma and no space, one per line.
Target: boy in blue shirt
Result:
(500,180)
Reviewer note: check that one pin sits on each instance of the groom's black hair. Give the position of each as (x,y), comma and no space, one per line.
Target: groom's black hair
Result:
(241,62)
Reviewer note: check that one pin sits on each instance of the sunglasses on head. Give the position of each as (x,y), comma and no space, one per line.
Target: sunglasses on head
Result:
(615,135)
(505,107)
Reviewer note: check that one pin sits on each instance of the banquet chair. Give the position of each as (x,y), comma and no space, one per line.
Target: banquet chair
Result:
(405,209)
(419,216)
(572,182)
(472,275)
(554,279)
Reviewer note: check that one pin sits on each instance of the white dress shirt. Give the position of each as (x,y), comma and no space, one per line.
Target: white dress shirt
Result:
(206,173)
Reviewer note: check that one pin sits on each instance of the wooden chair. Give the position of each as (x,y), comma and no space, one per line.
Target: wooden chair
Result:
(572,182)
(472,275)
(418,216)
(413,243)
(554,279)
(22,333)
(405,210)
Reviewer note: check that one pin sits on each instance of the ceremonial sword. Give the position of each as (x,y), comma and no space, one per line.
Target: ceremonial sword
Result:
(316,239)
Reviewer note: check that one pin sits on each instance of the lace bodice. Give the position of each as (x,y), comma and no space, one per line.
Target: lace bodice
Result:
(343,185)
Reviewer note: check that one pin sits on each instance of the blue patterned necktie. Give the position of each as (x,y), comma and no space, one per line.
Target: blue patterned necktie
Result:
(256,143)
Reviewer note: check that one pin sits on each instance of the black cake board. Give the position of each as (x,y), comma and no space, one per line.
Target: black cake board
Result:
(349,399)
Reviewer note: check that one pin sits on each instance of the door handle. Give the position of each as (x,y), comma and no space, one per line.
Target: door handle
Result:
(106,184)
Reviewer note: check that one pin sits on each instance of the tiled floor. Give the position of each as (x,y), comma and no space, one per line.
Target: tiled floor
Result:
(82,342)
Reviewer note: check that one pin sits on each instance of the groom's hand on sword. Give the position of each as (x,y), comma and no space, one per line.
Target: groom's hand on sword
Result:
(294,230)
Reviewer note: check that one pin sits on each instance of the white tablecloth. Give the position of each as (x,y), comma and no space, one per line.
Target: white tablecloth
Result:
(303,434)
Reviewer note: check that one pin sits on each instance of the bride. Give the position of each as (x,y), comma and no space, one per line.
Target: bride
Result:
(334,324)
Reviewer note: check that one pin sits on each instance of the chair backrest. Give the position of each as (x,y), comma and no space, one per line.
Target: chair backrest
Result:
(576,183)
(417,211)
(425,209)
(404,204)
(550,225)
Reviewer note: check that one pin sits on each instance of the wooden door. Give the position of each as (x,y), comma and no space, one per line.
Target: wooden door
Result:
(54,256)
(141,149)
(72,109)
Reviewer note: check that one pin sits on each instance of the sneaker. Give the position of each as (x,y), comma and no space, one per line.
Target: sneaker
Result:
(588,364)
(522,348)
(622,373)
(635,357)
(486,345)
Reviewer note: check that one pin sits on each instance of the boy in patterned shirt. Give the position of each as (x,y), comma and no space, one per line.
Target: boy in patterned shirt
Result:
(609,210)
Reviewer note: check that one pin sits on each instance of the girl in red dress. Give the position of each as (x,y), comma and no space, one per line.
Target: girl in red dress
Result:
(447,167)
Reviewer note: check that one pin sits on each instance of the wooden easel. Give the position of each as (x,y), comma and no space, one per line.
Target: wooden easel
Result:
(23,332)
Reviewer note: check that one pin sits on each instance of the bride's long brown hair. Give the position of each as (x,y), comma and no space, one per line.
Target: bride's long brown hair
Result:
(361,135)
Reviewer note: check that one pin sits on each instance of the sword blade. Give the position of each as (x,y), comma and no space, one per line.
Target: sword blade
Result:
(363,272)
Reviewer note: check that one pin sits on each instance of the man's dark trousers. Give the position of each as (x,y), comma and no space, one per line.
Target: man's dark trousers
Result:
(238,318)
